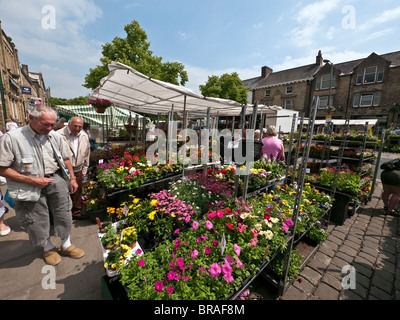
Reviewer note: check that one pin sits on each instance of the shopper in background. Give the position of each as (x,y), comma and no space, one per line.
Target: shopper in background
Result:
(272,146)
(92,141)
(11,125)
(4,228)
(391,189)
(78,143)
(34,160)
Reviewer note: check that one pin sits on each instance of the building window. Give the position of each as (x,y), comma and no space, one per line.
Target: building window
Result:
(289,90)
(323,102)
(370,99)
(323,82)
(288,104)
(370,75)
(267,92)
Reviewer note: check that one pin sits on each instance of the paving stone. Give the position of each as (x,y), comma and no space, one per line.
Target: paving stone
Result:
(330,245)
(380,294)
(311,275)
(371,260)
(339,262)
(348,250)
(304,285)
(326,292)
(385,256)
(363,267)
(386,265)
(335,240)
(382,283)
(317,265)
(345,257)
(292,293)
(371,244)
(362,280)
(324,258)
(354,245)
(326,250)
(372,252)
(332,281)
(349,295)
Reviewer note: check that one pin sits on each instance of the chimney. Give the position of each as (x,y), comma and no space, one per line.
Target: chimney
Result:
(265,71)
(319,60)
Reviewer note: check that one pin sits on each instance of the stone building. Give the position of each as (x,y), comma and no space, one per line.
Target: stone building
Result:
(19,88)
(366,88)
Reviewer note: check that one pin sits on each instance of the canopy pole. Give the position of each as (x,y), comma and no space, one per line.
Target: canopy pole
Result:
(184,112)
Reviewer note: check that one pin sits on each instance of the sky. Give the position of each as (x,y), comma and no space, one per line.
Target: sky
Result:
(63,38)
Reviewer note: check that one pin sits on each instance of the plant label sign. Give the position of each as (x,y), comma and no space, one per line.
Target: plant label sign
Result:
(223,244)
(126,210)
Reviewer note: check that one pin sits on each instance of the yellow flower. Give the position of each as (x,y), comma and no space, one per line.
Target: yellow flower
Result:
(151,215)
(106,265)
(153,202)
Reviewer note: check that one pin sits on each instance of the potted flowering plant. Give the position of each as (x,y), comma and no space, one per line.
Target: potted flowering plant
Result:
(100,105)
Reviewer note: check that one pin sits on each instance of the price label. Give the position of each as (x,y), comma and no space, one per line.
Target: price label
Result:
(101,161)
(125,210)
(223,244)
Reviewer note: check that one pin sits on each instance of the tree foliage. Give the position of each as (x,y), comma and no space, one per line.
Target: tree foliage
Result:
(134,51)
(227,86)
(79,101)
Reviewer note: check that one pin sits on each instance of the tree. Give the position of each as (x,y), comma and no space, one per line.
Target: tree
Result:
(227,86)
(79,101)
(134,51)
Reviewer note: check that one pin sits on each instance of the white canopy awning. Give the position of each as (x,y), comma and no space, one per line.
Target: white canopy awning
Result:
(342,122)
(129,89)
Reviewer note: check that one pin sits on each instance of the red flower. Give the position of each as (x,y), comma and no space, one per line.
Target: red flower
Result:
(230,226)
(267,216)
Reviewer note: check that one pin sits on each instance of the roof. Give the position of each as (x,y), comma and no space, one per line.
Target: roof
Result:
(307,72)
(283,77)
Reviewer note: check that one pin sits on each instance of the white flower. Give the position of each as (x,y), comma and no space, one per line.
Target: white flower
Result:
(269,234)
(274,220)
(258,226)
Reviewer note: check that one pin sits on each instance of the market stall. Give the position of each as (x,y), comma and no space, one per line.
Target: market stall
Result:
(206,239)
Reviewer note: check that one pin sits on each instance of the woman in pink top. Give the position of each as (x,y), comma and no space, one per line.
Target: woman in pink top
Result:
(272,146)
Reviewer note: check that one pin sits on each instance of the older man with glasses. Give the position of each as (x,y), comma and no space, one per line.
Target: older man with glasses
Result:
(35,160)
(78,143)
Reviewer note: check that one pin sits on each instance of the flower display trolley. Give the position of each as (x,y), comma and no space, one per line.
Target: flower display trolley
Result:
(180,230)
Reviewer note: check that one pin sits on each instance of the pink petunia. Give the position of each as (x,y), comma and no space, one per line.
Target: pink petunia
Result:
(170,290)
(215,243)
(208,225)
(180,262)
(194,254)
(171,275)
(159,286)
(236,248)
(215,270)
(229,259)
(195,225)
(141,263)
(207,250)
(226,268)
(289,222)
(239,263)
(228,277)
(284,226)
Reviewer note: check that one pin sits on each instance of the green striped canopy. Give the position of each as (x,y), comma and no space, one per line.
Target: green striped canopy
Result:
(116,116)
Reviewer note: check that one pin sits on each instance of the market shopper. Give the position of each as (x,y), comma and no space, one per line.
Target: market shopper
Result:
(35,159)
(4,228)
(78,143)
(92,141)
(391,190)
(272,146)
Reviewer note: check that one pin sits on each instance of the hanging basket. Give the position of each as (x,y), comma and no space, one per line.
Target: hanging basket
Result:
(100,109)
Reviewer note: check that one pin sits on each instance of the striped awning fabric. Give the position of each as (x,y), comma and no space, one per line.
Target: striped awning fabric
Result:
(115,116)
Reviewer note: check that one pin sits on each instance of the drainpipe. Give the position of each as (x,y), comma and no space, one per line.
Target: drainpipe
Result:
(3,102)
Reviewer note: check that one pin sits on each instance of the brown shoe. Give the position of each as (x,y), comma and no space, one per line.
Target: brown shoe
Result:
(73,252)
(52,257)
